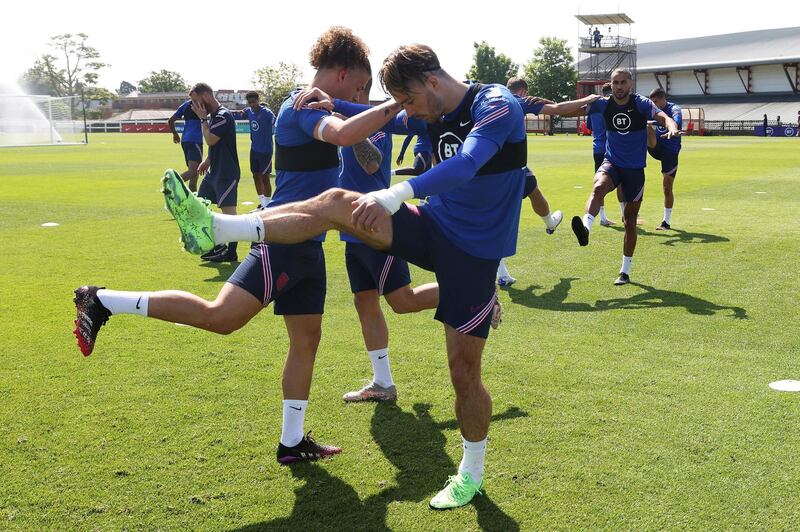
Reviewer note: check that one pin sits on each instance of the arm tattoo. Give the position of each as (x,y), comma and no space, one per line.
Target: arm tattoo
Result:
(368,156)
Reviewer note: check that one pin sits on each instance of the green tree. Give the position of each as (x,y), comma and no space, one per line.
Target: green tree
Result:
(276,82)
(163,81)
(72,67)
(551,72)
(488,67)
(125,88)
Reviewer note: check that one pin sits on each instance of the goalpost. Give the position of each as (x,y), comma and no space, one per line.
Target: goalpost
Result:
(36,120)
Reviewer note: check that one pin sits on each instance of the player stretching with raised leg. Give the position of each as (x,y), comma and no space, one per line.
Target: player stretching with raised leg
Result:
(291,276)
(598,126)
(665,150)
(626,114)
(262,122)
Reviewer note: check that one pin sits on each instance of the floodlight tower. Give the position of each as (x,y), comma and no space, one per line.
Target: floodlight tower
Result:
(603,49)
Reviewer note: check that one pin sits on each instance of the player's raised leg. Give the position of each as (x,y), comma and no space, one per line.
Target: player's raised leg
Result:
(602,185)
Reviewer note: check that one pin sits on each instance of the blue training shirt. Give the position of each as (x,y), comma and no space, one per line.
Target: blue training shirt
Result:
(598,126)
(261,125)
(672,145)
(533,109)
(626,130)
(191,125)
(295,128)
(479,215)
(223,155)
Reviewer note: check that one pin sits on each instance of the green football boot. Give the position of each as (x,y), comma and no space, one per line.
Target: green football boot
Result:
(459,490)
(192,214)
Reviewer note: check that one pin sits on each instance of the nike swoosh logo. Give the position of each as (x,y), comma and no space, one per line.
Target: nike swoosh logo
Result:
(258,231)
(205,232)
(137,303)
(381,358)
(462,124)
(295,408)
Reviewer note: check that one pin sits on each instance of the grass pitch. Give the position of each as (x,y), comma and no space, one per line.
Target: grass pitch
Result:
(636,407)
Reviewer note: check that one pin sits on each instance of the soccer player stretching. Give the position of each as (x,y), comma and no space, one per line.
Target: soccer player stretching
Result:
(261,124)
(469,223)
(665,150)
(191,141)
(291,276)
(625,114)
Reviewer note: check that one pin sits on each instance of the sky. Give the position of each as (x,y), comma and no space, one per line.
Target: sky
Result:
(222,45)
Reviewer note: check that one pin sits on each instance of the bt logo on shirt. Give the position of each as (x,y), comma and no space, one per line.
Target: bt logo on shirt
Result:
(254,125)
(449,145)
(621,121)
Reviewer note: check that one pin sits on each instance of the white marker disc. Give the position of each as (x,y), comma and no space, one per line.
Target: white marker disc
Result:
(785,386)
(49,224)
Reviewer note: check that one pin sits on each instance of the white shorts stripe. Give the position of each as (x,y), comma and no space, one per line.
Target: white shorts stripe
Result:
(385,273)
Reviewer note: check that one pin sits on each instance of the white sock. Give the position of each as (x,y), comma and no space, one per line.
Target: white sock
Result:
(118,302)
(502,270)
(622,209)
(381,373)
(667,215)
(548,220)
(263,200)
(237,228)
(294,415)
(588,220)
(603,214)
(626,265)
(472,461)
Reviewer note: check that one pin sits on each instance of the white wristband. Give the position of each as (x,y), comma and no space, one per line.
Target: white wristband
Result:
(391,198)
(322,124)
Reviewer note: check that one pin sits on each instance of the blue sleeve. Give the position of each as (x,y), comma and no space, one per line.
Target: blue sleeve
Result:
(533,109)
(423,144)
(677,116)
(238,115)
(646,107)
(349,109)
(180,110)
(308,119)
(597,107)
(456,170)
(404,147)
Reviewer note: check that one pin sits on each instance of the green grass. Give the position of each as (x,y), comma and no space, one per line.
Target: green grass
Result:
(640,407)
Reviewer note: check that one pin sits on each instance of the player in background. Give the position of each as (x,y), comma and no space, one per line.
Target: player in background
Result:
(291,276)
(665,150)
(221,166)
(372,273)
(626,114)
(191,141)
(423,156)
(262,121)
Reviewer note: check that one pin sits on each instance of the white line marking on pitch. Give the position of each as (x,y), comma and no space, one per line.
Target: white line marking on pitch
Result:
(578,186)
(760,192)
(248,203)
(49,224)
(708,209)
(785,386)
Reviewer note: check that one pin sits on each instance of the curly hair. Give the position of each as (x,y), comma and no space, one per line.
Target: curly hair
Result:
(407,64)
(339,47)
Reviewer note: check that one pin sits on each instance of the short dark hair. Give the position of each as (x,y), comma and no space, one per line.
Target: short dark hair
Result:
(622,71)
(606,89)
(516,84)
(407,64)
(252,94)
(658,92)
(202,88)
(339,47)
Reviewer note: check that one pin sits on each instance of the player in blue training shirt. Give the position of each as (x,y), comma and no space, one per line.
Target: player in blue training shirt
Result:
(221,165)
(191,141)
(423,158)
(665,150)
(291,276)
(372,273)
(625,114)
(262,122)
(468,225)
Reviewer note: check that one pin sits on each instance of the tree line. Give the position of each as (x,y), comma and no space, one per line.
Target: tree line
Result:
(72,67)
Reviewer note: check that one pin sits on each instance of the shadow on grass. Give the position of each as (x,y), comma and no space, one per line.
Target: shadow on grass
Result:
(677,236)
(650,297)
(416,447)
(224,270)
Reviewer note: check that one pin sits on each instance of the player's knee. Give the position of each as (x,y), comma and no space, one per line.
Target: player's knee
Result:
(464,374)
(334,196)
(307,342)
(220,322)
(401,302)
